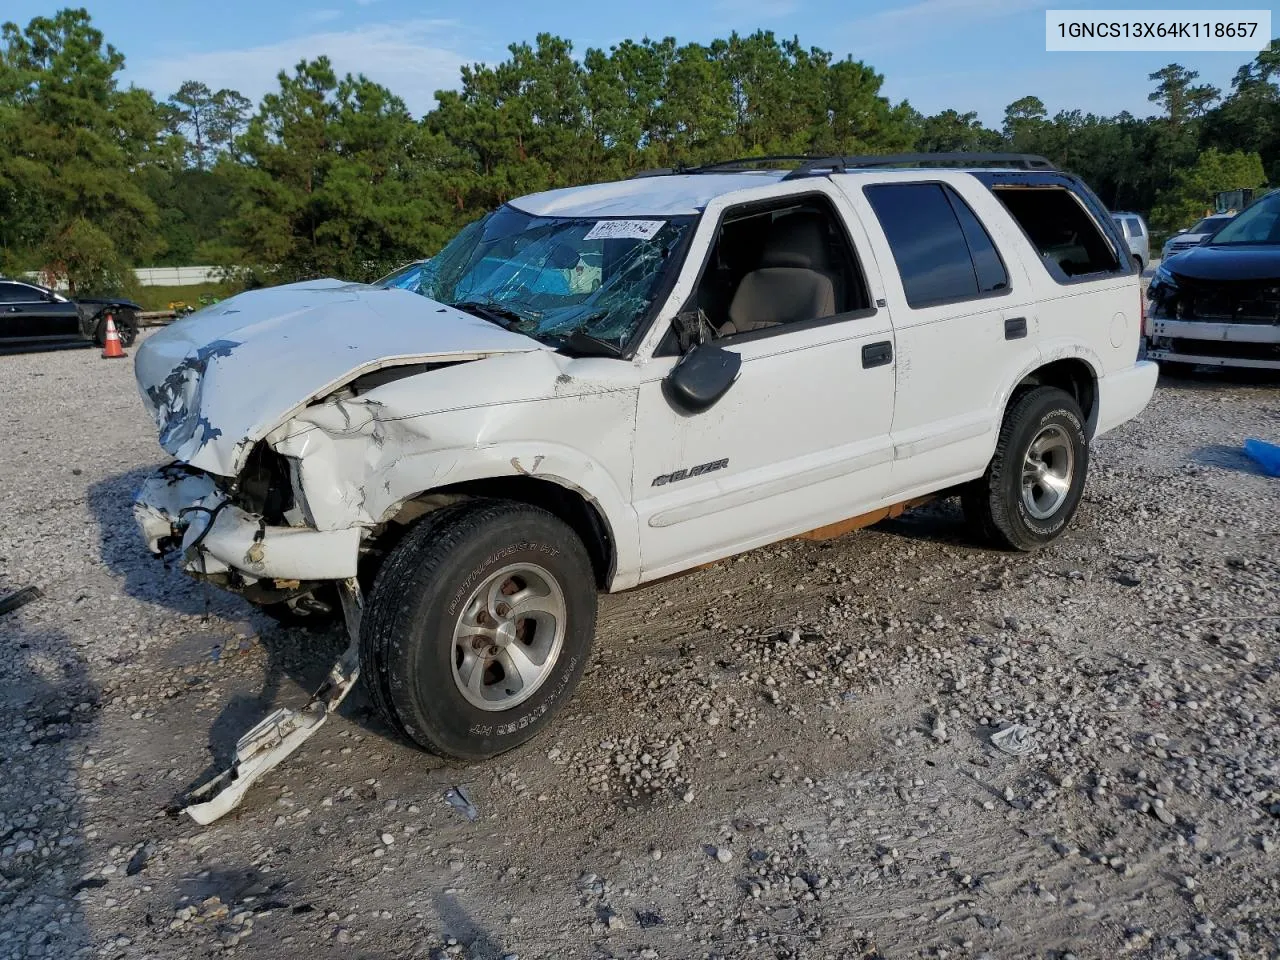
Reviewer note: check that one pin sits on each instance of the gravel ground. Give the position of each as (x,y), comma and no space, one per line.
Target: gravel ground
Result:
(784,755)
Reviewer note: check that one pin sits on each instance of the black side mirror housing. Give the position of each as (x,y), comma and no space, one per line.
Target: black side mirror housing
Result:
(702,377)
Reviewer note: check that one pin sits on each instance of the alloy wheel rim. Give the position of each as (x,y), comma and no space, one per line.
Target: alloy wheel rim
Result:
(1047,471)
(508,637)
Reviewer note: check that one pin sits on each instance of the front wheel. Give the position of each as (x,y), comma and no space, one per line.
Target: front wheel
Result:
(1032,487)
(479,626)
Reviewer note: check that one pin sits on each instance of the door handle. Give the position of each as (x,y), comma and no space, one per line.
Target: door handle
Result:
(877,354)
(1015,328)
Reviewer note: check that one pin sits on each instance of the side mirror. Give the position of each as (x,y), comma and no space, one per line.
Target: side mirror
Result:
(702,377)
(1183,230)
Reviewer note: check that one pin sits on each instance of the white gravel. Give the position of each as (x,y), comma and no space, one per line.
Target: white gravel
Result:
(786,755)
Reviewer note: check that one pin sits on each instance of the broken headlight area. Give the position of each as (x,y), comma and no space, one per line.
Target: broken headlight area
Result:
(242,533)
(266,487)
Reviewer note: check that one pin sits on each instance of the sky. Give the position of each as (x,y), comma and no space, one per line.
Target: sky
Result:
(975,55)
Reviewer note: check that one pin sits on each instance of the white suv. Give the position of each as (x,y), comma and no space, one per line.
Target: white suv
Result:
(600,386)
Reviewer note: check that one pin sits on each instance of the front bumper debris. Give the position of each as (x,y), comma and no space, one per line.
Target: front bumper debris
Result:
(177,505)
(281,733)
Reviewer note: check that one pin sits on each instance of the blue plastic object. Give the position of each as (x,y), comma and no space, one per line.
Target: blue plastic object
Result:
(1266,454)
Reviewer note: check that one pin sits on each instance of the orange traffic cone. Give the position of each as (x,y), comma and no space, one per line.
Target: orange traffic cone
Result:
(111,342)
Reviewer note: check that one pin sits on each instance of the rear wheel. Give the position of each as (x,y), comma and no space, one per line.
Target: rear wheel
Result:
(1033,485)
(479,626)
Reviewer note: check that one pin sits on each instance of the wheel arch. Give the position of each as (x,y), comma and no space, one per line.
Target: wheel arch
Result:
(580,511)
(1074,374)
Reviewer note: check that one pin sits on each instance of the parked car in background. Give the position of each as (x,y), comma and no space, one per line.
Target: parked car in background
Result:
(601,386)
(32,316)
(1184,240)
(1219,302)
(1136,235)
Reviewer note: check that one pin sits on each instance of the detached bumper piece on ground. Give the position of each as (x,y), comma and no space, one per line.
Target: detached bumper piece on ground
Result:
(281,733)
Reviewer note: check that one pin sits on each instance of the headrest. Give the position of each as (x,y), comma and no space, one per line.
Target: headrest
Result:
(797,240)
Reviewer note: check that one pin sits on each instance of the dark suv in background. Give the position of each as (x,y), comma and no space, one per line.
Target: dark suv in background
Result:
(32,316)
(1219,303)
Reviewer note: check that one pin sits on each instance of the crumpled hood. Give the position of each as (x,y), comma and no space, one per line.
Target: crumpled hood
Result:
(219,380)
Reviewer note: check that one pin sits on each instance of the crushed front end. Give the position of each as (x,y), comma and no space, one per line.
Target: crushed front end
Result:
(247,534)
(1213,321)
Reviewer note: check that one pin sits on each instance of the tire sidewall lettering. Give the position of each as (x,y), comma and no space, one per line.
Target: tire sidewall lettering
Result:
(485,566)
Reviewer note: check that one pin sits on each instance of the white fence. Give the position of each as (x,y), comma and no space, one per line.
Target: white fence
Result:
(175,276)
(148,277)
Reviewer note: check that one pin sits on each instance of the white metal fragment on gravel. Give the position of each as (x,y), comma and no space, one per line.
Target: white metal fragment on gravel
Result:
(1015,740)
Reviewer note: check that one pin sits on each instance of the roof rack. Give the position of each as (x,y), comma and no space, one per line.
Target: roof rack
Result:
(727,166)
(1018,161)
(836,164)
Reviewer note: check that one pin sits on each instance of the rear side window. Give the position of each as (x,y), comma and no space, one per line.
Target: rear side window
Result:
(943,252)
(1067,238)
(1133,226)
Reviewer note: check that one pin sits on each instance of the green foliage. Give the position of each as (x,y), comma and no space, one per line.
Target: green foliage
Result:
(1192,193)
(69,141)
(159,298)
(331,175)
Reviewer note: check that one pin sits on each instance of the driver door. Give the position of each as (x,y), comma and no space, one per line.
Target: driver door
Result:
(27,315)
(801,439)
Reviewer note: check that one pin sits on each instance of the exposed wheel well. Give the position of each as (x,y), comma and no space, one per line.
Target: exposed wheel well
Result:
(1074,376)
(582,516)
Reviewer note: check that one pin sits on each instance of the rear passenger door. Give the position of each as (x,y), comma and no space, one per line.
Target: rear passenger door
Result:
(959,319)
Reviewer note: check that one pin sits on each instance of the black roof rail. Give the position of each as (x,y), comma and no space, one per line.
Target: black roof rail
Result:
(655,172)
(837,164)
(726,166)
(1019,161)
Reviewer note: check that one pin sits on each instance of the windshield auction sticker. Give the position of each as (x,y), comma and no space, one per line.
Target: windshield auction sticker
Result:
(1168,30)
(625,229)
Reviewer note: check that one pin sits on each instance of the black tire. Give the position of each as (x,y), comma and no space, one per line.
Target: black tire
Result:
(994,504)
(407,646)
(126,327)
(1137,262)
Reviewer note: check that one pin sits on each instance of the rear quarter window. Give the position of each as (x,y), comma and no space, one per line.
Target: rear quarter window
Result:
(1070,243)
(942,251)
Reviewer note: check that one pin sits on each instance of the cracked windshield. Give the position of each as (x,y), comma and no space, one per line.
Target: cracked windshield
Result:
(572,282)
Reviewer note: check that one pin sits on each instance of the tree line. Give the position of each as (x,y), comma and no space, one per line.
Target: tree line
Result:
(332,176)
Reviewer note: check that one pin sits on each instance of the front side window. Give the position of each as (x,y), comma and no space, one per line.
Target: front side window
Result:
(1068,239)
(943,253)
(554,278)
(1259,223)
(777,264)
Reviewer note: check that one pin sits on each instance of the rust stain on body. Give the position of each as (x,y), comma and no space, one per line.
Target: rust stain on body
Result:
(841,527)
